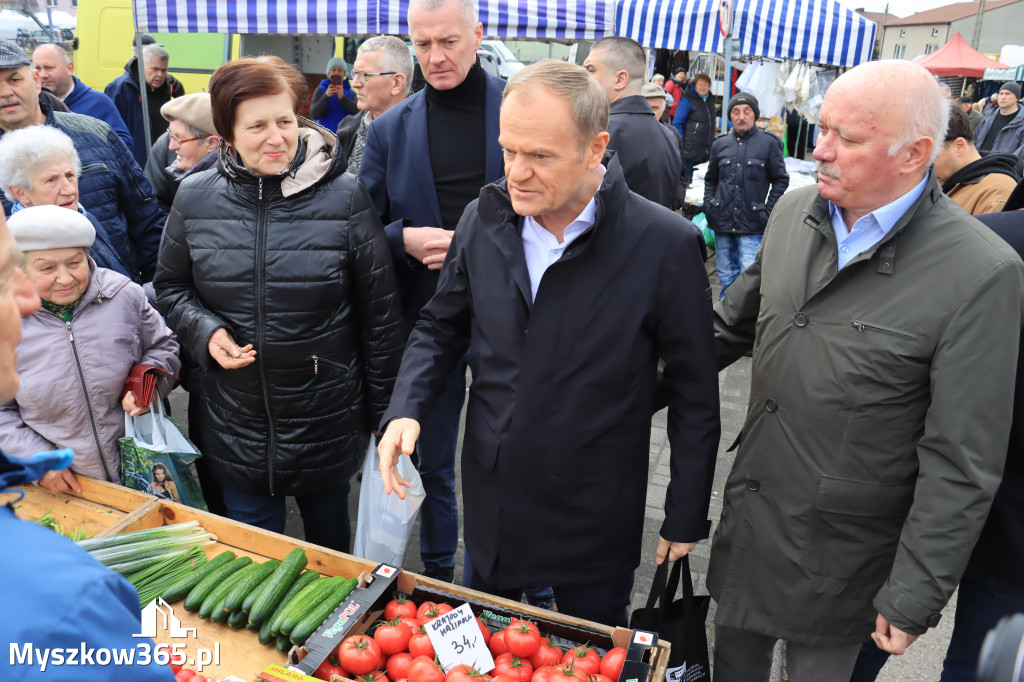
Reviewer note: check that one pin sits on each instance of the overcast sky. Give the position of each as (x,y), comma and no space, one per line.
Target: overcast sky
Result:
(901,8)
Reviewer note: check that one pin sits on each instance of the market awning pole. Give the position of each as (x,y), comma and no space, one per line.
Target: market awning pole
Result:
(143,95)
(725,16)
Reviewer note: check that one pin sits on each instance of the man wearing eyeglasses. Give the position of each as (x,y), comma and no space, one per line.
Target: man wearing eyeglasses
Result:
(425,160)
(381,74)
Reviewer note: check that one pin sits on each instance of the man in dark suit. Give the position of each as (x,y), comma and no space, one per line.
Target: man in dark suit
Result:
(568,287)
(423,162)
(648,151)
(382,73)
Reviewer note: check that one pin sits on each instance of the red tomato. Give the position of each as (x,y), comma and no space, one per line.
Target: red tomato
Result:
(523,638)
(329,667)
(398,665)
(464,673)
(502,678)
(565,673)
(198,678)
(598,678)
(514,667)
(541,673)
(412,621)
(584,659)
(393,636)
(399,606)
(175,668)
(497,643)
(549,653)
(359,655)
(425,607)
(423,669)
(611,664)
(377,676)
(444,608)
(184,675)
(419,645)
(485,630)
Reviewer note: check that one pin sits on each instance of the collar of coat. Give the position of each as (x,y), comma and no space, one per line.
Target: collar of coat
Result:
(816,216)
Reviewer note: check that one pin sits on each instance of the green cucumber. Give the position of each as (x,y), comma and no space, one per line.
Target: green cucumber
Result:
(279,583)
(302,604)
(338,593)
(198,594)
(181,588)
(252,580)
(274,622)
(251,598)
(283,645)
(220,592)
(238,619)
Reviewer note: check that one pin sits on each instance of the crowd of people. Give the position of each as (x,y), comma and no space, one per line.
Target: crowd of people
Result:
(318,283)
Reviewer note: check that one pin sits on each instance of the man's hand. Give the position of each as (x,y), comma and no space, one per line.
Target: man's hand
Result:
(428,245)
(399,439)
(229,354)
(333,91)
(673,550)
(890,638)
(62,481)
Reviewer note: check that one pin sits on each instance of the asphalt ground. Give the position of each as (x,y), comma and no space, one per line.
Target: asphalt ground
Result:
(922,662)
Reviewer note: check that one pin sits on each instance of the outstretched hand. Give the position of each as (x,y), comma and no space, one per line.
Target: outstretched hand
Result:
(399,439)
(229,354)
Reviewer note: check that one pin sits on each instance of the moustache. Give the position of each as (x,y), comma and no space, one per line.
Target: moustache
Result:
(823,169)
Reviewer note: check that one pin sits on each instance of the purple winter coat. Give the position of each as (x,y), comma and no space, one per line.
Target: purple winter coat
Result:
(72,375)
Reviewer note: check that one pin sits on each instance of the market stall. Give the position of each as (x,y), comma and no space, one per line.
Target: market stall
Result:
(238,602)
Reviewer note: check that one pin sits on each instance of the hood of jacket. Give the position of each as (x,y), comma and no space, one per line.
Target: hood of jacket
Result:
(317,157)
(996,162)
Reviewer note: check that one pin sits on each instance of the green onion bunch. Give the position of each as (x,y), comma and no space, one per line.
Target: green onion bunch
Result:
(151,581)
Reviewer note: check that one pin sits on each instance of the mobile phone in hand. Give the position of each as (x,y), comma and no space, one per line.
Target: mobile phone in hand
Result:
(337,80)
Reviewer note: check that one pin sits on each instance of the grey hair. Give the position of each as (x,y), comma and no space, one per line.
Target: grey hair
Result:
(467,8)
(926,115)
(152,51)
(588,102)
(620,53)
(192,130)
(25,151)
(394,55)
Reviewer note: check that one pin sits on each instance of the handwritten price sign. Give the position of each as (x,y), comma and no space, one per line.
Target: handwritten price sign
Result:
(457,640)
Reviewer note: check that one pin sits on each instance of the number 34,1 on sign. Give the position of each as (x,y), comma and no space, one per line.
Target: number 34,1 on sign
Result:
(457,639)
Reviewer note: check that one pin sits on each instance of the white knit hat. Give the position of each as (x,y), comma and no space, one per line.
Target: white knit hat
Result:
(39,228)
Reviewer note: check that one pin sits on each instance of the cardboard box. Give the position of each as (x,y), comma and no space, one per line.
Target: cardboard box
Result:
(101,508)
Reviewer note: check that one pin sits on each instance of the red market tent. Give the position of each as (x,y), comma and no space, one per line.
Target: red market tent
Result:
(957,58)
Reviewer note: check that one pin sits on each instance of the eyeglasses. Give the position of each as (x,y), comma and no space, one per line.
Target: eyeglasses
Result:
(181,142)
(362,75)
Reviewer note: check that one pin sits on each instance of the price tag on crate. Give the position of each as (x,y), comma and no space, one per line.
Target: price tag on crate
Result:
(457,640)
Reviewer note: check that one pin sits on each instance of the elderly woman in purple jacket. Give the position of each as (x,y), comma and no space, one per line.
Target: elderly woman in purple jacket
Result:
(76,351)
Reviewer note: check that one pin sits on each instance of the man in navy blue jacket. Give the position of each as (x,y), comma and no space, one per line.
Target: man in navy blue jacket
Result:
(57,72)
(112,186)
(425,159)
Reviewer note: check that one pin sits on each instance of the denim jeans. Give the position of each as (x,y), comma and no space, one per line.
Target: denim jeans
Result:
(979,606)
(325,518)
(439,514)
(734,253)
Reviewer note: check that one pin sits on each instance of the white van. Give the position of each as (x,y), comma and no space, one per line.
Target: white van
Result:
(508,64)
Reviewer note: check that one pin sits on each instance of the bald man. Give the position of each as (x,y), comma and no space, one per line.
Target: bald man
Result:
(885,335)
(57,72)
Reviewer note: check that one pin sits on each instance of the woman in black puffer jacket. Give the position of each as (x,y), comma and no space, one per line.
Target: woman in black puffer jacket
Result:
(275,273)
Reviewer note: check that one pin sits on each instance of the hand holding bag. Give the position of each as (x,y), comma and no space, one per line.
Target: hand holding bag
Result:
(681,623)
(385,522)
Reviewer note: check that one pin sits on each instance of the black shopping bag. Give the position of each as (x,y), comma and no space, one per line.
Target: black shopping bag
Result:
(679,622)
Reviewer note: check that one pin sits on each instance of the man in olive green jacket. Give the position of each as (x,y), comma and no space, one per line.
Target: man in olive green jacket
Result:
(885,331)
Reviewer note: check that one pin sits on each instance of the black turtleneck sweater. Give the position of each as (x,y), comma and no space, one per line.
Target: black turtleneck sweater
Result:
(455,138)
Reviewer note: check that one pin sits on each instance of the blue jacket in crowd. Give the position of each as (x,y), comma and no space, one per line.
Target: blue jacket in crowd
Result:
(740,174)
(114,189)
(1010,139)
(84,100)
(57,598)
(333,109)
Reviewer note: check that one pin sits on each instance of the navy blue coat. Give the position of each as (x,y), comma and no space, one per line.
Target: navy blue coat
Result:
(558,424)
(746,176)
(397,172)
(88,102)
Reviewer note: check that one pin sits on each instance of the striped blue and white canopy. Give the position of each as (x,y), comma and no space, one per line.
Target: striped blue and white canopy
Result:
(548,19)
(818,31)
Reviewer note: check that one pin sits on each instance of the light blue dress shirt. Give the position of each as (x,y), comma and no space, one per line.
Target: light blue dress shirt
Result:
(542,248)
(873,227)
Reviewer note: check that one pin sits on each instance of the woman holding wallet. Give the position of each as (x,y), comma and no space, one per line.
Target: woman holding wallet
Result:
(77,350)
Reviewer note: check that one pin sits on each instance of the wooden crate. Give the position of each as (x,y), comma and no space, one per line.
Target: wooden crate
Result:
(101,508)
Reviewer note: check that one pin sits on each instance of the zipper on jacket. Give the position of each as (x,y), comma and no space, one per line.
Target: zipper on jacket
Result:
(261,314)
(317,360)
(861,326)
(88,403)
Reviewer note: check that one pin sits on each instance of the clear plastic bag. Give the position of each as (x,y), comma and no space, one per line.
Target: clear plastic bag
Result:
(385,522)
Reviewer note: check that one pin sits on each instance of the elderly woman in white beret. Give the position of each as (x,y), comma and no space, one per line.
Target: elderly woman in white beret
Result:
(188,147)
(38,166)
(76,351)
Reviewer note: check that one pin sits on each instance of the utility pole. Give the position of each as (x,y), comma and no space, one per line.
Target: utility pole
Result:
(976,38)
